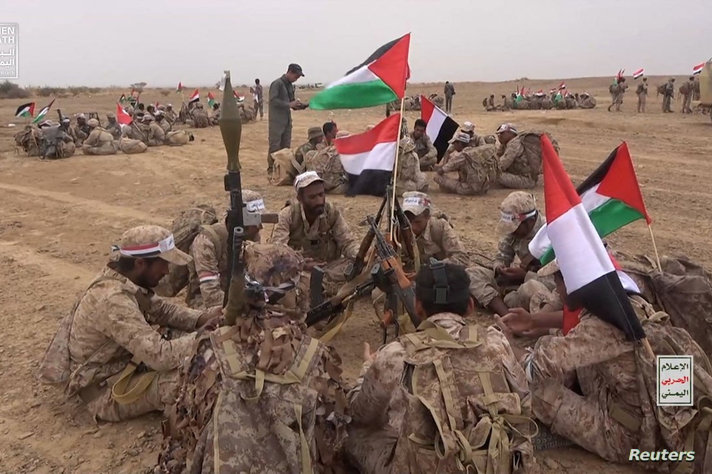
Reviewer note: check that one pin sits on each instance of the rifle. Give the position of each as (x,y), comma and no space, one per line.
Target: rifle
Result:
(360,260)
(61,117)
(394,283)
(355,288)
(407,236)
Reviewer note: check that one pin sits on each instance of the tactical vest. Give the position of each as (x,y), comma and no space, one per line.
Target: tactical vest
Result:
(461,413)
(324,246)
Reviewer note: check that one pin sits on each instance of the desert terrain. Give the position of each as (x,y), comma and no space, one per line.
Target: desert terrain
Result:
(58,219)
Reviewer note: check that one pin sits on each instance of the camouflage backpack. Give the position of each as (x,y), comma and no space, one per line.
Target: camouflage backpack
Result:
(482,160)
(257,398)
(462,415)
(185,228)
(680,428)
(286,167)
(613,88)
(683,290)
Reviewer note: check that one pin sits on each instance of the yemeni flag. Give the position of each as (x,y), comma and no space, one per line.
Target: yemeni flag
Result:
(562,85)
(41,114)
(610,195)
(25,110)
(122,116)
(194,97)
(368,158)
(180,87)
(638,73)
(698,69)
(123,99)
(588,272)
(440,126)
(378,80)
(238,98)
(211,100)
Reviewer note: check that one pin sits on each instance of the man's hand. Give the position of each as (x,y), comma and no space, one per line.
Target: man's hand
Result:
(368,356)
(212,316)
(310,263)
(519,321)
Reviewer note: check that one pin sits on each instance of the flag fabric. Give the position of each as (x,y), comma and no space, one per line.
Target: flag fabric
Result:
(638,73)
(562,85)
(611,196)
(25,110)
(211,99)
(180,87)
(369,157)
(619,75)
(221,83)
(440,126)
(122,99)
(588,272)
(194,97)
(378,80)
(122,116)
(698,69)
(239,98)
(41,114)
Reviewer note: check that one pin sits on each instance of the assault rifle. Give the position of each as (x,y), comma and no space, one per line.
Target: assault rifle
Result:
(355,288)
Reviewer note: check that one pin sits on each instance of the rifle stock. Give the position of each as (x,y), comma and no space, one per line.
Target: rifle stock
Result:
(360,260)
(363,284)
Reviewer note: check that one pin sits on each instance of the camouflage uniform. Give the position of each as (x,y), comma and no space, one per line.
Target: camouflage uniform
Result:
(328,239)
(410,178)
(642,93)
(391,429)
(448,91)
(262,385)
(171,115)
(200,117)
(113,126)
(99,142)
(483,285)
(29,140)
(327,163)
(587,102)
(427,154)
(156,136)
(440,241)
(56,143)
(209,270)
(689,88)
(131,146)
(301,154)
(476,167)
(668,95)
(520,160)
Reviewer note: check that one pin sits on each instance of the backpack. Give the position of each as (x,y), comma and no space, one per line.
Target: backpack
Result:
(461,414)
(683,290)
(482,160)
(285,169)
(613,88)
(185,228)
(681,428)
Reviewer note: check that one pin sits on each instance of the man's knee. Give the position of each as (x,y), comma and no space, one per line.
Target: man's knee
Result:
(515,181)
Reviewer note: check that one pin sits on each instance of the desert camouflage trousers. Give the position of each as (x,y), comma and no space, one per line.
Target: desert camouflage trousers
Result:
(516,181)
(531,295)
(453,185)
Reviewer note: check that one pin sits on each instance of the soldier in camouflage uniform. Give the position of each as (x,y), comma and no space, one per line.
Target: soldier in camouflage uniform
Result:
(326,162)
(427,154)
(317,229)
(80,131)
(315,142)
(422,405)
(106,350)
(687,89)
(476,168)
(519,222)
(162,122)
(587,101)
(99,142)
(209,270)
(156,135)
(130,146)
(259,396)
(171,115)
(29,140)
(113,126)
(410,178)
(434,235)
(519,157)
(199,116)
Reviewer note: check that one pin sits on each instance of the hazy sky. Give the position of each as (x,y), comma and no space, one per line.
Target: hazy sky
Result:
(102,43)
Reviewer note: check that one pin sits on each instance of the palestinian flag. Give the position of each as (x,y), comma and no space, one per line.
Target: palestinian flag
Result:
(194,97)
(180,87)
(588,272)
(610,195)
(378,80)
(638,73)
(441,127)
(123,99)
(698,69)
(41,114)
(368,158)
(122,116)
(25,110)
(211,100)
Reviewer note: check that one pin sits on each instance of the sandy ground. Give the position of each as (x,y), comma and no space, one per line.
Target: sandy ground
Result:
(58,219)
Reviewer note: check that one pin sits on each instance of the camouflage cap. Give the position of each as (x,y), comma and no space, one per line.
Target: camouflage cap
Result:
(147,118)
(460,137)
(516,208)
(148,241)
(253,201)
(272,264)
(416,202)
(406,145)
(314,132)
(305,179)
(506,127)
(93,122)
(110,115)
(468,127)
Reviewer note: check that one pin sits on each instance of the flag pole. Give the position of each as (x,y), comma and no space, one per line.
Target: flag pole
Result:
(395,169)
(655,247)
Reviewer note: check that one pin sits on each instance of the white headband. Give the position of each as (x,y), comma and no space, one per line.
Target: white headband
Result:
(148,250)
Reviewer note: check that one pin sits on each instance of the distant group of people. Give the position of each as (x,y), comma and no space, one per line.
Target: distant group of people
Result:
(689,90)
(561,99)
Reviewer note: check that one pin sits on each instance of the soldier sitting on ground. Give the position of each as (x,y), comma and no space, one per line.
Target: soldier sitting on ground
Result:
(427,154)
(476,168)
(99,142)
(326,162)
(519,157)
